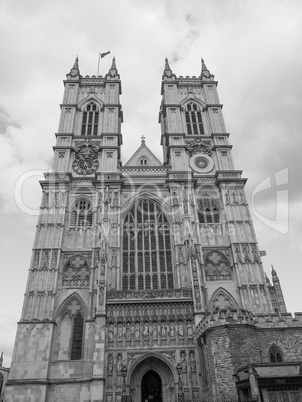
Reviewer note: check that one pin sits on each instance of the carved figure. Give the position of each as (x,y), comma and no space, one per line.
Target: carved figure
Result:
(110,364)
(119,364)
(192,361)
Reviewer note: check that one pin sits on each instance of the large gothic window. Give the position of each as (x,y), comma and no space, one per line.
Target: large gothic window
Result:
(90,120)
(147,262)
(81,214)
(193,119)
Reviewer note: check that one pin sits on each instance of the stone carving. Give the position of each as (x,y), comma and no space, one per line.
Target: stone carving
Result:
(199,146)
(155,294)
(36,260)
(110,364)
(54,259)
(192,361)
(119,364)
(45,259)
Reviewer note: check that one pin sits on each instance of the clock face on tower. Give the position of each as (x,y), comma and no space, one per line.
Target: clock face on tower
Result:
(85,164)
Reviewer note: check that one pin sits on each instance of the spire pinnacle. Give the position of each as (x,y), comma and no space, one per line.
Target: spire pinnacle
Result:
(167,70)
(205,73)
(1,360)
(113,70)
(75,69)
(274,273)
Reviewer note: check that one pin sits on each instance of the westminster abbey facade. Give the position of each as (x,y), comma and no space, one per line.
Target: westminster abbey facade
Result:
(146,282)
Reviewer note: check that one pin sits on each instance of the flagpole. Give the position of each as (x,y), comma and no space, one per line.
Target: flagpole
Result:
(97,74)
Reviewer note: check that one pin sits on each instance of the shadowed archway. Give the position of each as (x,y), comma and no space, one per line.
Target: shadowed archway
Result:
(152,380)
(151,387)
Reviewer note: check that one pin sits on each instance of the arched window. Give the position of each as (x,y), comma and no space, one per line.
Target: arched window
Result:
(208,210)
(81,215)
(275,354)
(193,119)
(143,161)
(90,120)
(70,331)
(147,259)
(77,337)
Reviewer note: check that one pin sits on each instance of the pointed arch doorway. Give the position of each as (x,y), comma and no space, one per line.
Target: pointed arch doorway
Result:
(151,387)
(152,379)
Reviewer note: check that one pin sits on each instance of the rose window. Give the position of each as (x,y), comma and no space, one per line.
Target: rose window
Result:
(201,162)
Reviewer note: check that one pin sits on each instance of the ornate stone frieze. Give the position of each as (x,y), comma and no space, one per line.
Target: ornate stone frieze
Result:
(152,294)
(199,146)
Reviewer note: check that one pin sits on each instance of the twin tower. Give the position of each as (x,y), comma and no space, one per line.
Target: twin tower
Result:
(136,265)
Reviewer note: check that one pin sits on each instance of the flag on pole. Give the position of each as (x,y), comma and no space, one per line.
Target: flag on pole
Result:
(103,54)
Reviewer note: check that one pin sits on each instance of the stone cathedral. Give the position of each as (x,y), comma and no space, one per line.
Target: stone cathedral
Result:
(146,282)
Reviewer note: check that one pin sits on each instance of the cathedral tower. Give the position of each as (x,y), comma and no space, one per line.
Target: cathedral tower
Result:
(128,259)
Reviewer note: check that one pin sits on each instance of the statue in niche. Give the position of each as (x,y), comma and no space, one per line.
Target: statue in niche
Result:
(192,361)
(128,332)
(146,330)
(172,330)
(163,331)
(190,331)
(119,364)
(183,362)
(137,331)
(110,333)
(120,332)
(155,330)
(180,329)
(110,364)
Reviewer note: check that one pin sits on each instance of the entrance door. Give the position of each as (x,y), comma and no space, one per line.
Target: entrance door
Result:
(151,387)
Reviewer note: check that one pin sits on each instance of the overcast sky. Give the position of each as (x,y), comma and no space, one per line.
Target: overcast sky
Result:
(252,47)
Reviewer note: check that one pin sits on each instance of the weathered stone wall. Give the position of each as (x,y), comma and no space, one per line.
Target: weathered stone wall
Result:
(231,340)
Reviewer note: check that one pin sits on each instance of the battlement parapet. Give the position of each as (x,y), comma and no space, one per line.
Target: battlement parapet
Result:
(229,317)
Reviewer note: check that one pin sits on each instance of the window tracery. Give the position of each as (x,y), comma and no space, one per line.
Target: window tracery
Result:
(208,210)
(275,354)
(147,257)
(193,119)
(71,330)
(76,272)
(81,215)
(222,301)
(90,120)
(217,267)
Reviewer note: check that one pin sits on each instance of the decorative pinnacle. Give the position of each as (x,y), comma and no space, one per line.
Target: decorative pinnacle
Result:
(113,69)
(75,69)
(1,360)
(267,279)
(167,67)
(274,273)
(204,70)
(143,139)
(167,70)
